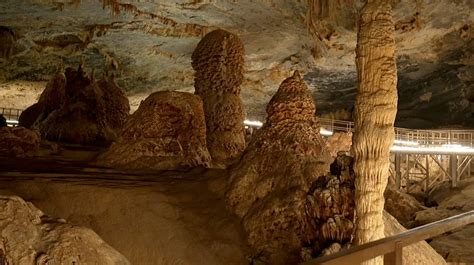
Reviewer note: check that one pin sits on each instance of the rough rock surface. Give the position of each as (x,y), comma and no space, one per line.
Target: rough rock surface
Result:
(433,49)
(167,131)
(454,247)
(7,42)
(219,64)
(18,141)
(268,187)
(78,109)
(402,206)
(51,99)
(417,254)
(30,237)
(339,141)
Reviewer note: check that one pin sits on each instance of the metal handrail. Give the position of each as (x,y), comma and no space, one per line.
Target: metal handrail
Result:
(392,247)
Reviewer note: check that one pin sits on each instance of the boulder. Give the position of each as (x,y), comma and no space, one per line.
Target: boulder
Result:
(18,142)
(167,131)
(402,206)
(28,236)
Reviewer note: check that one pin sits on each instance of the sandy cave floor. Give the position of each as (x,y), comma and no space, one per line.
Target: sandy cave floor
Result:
(162,218)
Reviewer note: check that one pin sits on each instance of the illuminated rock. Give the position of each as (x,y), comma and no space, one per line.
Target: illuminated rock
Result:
(270,185)
(30,237)
(93,112)
(166,132)
(218,61)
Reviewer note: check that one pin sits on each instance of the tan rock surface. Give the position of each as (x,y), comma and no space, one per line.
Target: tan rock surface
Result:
(218,61)
(28,236)
(417,254)
(18,141)
(92,113)
(268,186)
(167,131)
(402,206)
(339,141)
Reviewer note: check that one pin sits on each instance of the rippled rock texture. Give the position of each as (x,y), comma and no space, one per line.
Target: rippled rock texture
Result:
(168,131)
(149,46)
(75,108)
(219,64)
(18,141)
(31,237)
(269,185)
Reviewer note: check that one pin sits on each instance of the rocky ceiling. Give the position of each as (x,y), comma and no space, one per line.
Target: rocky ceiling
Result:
(148,44)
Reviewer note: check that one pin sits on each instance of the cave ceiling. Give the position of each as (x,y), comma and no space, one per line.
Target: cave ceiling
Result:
(148,47)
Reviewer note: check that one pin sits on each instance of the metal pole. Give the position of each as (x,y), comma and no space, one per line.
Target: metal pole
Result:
(398,171)
(453,169)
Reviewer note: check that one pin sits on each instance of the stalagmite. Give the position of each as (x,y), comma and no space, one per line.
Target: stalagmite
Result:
(219,64)
(7,42)
(166,132)
(290,207)
(375,111)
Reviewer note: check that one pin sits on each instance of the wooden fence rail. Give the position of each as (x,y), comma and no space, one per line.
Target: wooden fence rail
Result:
(392,247)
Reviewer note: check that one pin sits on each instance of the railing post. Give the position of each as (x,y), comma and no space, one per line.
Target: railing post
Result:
(398,171)
(453,169)
(395,257)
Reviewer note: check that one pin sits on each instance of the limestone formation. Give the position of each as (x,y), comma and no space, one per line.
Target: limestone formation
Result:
(18,141)
(402,206)
(339,141)
(7,42)
(167,131)
(52,98)
(375,111)
(269,187)
(218,61)
(30,237)
(77,109)
(418,253)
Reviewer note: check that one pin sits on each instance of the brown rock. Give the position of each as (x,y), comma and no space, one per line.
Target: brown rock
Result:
(92,112)
(218,61)
(402,206)
(30,237)
(166,132)
(418,253)
(339,141)
(52,98)
(7,42)
(18,141)
(269,186)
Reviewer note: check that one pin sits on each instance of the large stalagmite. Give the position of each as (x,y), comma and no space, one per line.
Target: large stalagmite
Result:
(166,132)
(280,189)
(219,64)
(78,109)
(375,111)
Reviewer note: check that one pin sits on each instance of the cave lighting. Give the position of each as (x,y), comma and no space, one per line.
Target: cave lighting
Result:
(325,132)
(402,142)
(12,123)
(444,149)
(253,123)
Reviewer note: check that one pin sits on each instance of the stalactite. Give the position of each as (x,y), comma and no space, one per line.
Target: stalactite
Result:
(375,111)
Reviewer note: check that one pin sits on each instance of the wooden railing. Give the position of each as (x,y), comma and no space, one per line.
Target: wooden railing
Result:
(392,247)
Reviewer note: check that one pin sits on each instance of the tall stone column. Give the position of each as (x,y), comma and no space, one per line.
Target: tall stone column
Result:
(218,61)
(375,111)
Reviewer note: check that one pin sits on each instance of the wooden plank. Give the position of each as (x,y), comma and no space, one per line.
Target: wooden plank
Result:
(358,254)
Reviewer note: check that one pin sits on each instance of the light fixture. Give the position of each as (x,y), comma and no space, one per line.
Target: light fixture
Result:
(325,132)
(253,123)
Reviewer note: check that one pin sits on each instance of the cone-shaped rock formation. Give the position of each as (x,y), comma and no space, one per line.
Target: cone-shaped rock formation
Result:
(218,61)
(167,131)
(77,109)
(279,186)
